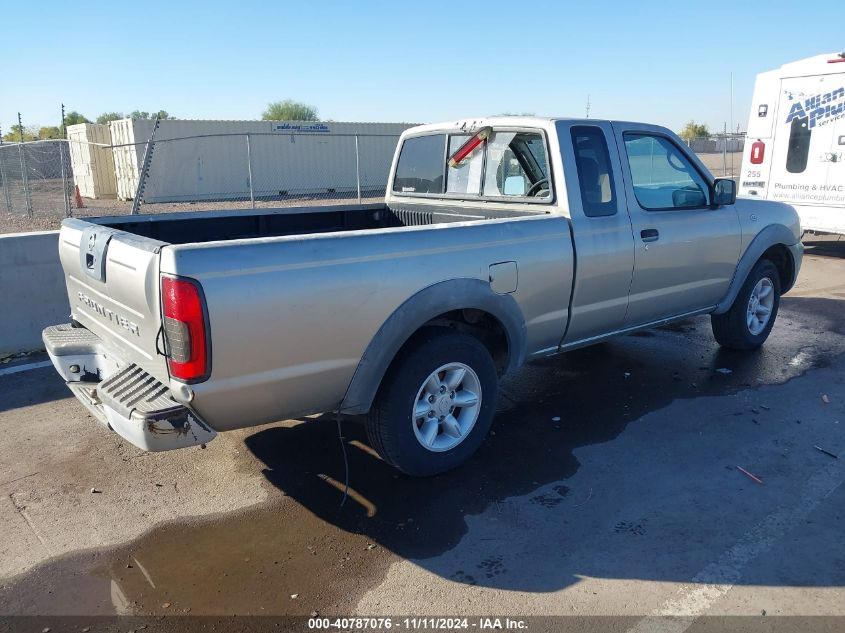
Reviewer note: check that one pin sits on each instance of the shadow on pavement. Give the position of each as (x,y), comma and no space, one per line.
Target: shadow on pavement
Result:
(659,503)
(30,388)
(552,408)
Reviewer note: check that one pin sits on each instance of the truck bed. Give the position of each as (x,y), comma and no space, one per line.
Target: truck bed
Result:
(281,285)
(199,227)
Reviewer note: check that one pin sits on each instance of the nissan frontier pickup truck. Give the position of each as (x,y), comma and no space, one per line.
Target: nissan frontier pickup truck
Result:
(500,240)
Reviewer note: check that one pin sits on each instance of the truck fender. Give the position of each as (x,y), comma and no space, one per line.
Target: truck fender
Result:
(772,235)
(427,304)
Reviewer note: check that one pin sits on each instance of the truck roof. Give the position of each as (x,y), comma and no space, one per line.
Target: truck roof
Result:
(824,64)
(470,124)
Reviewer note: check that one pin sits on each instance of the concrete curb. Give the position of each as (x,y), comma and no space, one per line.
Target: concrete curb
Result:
(32,289)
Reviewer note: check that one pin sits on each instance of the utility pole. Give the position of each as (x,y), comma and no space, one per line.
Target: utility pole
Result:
(588,105)
(732,119)
(732,102)
(7,196)
(65,179)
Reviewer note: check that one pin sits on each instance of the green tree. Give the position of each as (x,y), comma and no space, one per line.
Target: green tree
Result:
(105,117)
(14,135)
(694,130)
(140,114)
(289,110)
(50,131)
(73,117)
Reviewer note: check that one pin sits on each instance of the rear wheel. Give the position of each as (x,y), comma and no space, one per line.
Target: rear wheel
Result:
(435,404)
(751,317)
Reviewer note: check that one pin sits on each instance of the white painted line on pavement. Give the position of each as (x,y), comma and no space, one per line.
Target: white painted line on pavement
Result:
(19,368)
(679,612)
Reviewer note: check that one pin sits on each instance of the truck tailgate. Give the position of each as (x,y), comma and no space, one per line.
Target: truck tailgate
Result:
(112,280)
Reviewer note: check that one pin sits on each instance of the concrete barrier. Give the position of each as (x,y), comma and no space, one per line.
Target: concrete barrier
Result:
(32,289)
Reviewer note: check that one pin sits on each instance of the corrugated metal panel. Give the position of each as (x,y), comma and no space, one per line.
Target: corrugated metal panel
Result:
(125,166)
(287,157)
(93,166)
(128,157)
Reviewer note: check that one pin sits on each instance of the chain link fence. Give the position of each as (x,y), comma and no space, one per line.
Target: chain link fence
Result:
(242,171)
(35,183)
(209,172)
(227,171)
(721,153)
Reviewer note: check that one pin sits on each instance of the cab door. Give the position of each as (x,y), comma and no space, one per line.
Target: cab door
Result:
(601,229)
(685,251)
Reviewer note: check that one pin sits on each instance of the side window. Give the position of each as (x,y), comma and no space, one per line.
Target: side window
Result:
(662,176)
(517,166)
(465,177)
(420,166)
(595,176)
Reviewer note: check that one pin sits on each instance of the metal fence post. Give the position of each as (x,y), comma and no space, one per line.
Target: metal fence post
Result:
(149,148)
(357,169)
(6,194)
(25,181)
(64,178)
(249,171)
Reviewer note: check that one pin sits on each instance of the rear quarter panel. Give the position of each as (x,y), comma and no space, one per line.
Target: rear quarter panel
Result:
(290,317)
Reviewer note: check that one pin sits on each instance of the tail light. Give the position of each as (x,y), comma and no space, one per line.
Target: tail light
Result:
(185,329)
(758,152)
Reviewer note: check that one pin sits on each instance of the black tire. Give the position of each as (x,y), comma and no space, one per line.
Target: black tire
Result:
(390,427)
(731,328)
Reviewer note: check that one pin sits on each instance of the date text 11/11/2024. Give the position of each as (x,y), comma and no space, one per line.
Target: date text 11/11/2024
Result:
(417,623)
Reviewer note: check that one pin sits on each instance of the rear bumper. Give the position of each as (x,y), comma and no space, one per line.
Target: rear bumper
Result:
(122,396)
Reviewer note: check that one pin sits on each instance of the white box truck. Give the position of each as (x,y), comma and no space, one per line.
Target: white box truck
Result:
(795,149)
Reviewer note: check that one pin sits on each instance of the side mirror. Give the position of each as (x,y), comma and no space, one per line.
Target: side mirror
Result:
(723,192)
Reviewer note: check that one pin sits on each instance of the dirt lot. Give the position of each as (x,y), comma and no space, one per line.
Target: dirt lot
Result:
(609,487)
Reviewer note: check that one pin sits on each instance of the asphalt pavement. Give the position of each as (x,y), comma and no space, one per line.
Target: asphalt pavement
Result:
(611,485)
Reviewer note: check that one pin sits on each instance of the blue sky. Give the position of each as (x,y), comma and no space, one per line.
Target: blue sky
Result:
(661,62)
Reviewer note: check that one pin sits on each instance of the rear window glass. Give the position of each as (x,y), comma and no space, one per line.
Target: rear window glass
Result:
(465,177)
(517,166)
(421,165)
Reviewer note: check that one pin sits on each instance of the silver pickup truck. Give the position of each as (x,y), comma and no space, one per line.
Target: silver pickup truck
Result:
(500,240)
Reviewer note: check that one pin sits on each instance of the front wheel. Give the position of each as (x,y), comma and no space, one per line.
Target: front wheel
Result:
(435,404)
(750,319)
